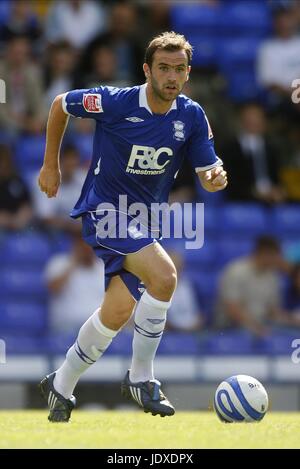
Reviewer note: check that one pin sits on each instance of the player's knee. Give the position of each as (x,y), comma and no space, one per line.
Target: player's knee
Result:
(164,284)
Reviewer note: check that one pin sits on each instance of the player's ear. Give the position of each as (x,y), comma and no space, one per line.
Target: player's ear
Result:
(147,70)
(188,73)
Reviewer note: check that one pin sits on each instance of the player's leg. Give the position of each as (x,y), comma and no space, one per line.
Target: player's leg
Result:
(93,339)
(155,268)
(157,271)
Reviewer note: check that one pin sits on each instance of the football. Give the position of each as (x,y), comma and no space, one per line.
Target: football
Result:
(241,398)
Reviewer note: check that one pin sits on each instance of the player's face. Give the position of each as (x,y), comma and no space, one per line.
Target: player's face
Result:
(168,73)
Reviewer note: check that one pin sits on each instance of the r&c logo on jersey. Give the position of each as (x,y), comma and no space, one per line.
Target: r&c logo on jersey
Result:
(178,129)
(149,160)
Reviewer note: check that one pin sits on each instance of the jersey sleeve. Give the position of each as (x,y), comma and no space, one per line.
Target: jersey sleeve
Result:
(93,103)
(200,148)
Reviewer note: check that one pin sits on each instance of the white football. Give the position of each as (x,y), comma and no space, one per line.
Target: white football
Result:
(241,398)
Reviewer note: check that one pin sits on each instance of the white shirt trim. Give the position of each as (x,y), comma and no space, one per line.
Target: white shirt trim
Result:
(64,104)
(219,162)
(143,102)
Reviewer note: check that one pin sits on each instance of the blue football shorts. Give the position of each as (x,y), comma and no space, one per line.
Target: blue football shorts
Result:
(113,249)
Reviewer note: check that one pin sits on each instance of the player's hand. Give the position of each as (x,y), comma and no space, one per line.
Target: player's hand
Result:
(214,179)
(49,181)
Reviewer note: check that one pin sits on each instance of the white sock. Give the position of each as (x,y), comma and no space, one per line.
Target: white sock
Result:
(92,341)
(150,319)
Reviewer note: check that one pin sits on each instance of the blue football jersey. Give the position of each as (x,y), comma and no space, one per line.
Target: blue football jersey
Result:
(135,152)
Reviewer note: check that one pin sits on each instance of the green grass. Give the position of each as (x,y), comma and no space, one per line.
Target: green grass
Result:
(113,429)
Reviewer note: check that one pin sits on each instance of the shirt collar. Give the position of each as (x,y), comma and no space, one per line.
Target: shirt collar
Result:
(143,102)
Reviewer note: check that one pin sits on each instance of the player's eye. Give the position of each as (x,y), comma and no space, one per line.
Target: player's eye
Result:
(163,68)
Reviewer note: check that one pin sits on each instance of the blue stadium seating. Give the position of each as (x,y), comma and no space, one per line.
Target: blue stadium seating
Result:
(5,11)
(25,248)
(228,249)
(211,219)
(29,153)
(192,18)
(246,17)
(204,49)
(205,283)
(20,315)
(24,284)
(57,343)
(249,219)
(122,344)
(18,343)
(243,86)
(201,258)
(84,145)
(278,343)
(231,342)
(180,343)
(286,220)
(237,54)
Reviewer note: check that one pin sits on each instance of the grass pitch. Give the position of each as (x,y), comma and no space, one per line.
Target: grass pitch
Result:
(120,429)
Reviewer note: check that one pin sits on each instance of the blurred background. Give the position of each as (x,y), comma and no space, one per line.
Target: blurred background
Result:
(237,306)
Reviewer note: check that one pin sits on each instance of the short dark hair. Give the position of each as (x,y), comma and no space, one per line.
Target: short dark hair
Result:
(169,41)
(267,243)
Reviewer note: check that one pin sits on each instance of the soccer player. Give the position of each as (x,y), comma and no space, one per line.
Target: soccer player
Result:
(141,138)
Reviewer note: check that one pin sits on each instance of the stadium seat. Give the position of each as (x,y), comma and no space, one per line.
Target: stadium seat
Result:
(278,343)
(243,86)
(205,283)
(23,316)
(61,243)
(18,343)
(231,342)
(84,145)
(286,220)
(245,18)
(192,18)
(25,284)
(249,219)
(25,248)
(57,343)
(230,249)
(29,153)
(237,54)
(204,257)
(122,344)
(204,49)
(179,343)
(211,219)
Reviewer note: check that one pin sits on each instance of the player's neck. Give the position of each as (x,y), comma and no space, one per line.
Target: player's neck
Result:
(157,105)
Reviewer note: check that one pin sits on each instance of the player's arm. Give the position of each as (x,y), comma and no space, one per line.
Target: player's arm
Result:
(50,177)
(202,156)
(214,179)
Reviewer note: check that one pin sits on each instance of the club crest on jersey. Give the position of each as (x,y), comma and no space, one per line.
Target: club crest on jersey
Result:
(92,102)
(178,129)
